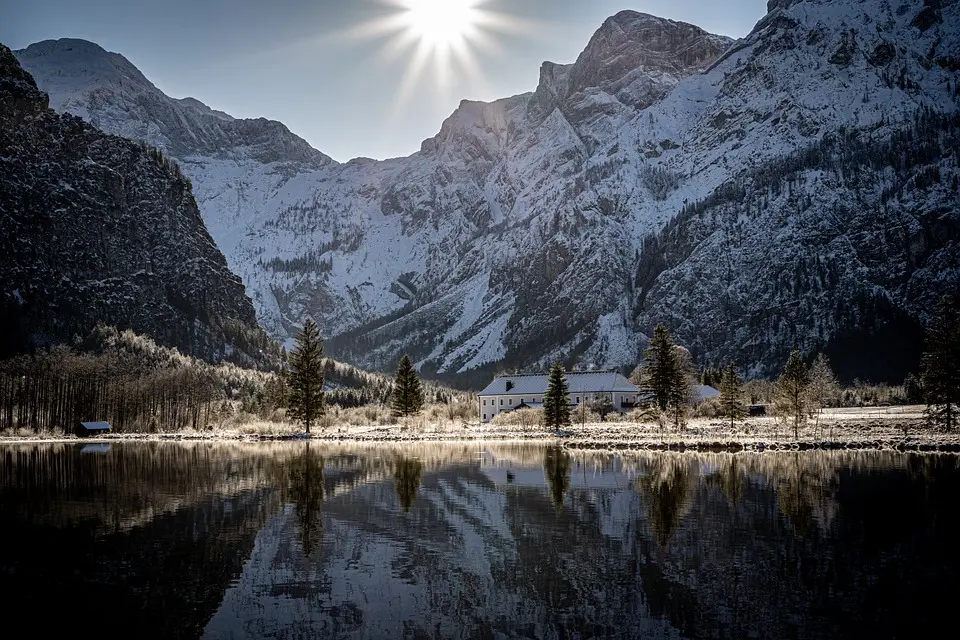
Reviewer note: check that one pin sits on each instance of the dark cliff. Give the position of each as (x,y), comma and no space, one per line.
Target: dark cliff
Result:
(97,228)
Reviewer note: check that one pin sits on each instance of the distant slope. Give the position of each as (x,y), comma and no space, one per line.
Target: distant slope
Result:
(99,228)
(790,189)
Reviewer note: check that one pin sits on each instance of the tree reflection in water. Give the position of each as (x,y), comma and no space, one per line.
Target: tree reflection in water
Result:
(305,491)
(406,480)
(192,538)
(730,479)
(798,492)
(667,488)
(556,468)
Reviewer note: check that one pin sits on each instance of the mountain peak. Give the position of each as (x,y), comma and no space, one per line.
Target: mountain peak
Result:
(108,91)
(72,65)
(635,57)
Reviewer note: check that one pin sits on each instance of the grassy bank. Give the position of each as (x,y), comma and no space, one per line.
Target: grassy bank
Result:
(896,428)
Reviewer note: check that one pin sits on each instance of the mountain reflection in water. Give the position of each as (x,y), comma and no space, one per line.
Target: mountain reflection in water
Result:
(476,540)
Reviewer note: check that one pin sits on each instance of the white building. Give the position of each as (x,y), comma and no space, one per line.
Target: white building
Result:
(510,392)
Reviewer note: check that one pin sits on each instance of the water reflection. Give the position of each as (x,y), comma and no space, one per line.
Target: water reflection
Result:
(667,487)
(406,480)
(556,469)
(305,491)
(307,540)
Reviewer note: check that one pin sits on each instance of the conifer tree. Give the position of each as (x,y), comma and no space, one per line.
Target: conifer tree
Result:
(556,410)
(305,379)
(792,390)
(912,389)
(731,396)
(681,389)
(661,368)
(941,365)
(407,399)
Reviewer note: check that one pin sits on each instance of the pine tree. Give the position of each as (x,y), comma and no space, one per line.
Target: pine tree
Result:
(941,365)
(792,390)
(912,389)
(407,399)
(556,410)
(305,379)
(681,389)
(661,369)
(731,396)
(823,384)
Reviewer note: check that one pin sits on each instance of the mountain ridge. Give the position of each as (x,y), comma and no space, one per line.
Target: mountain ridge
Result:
(524,231)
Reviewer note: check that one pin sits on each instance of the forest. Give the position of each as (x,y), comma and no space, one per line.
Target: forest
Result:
(138,386)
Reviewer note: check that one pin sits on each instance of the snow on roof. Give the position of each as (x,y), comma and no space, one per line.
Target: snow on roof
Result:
(96,426)
(703,392)
(578,381)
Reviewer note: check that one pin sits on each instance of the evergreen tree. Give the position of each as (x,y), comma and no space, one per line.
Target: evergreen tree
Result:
(661,369)
(407,399)
(711,376)
(792,390)
(823,384)
(912,389)
(275,390)
(941,365)
(556,410)
(305,379)
(731,396)
(681,387)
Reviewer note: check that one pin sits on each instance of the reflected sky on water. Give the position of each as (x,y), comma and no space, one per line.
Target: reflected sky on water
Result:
(296,540)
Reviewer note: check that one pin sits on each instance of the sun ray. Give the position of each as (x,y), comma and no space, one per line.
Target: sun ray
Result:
(443,35)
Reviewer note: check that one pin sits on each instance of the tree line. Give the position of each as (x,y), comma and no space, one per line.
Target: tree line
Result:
(802,390)
(138,386)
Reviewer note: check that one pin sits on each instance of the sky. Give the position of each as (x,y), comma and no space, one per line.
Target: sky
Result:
(370,78)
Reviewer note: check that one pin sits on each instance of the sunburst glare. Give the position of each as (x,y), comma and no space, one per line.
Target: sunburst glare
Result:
(447,35)
(441,23)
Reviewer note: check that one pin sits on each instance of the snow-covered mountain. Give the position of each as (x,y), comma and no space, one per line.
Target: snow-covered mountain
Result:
(98,228)
(797,187)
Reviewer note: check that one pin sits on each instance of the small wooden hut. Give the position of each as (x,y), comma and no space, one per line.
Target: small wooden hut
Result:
(86,429)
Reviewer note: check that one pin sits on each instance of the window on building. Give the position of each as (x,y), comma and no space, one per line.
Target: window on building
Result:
(484,403)
(501,402)
(578,400)
(484,416)
(510,401)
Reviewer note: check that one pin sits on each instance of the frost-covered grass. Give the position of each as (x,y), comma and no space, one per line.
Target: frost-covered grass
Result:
(873,427)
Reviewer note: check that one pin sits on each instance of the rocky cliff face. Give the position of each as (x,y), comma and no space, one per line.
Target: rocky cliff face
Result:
(99,228)
(793,188)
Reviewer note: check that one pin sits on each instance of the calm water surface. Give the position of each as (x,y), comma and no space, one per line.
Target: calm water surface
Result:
(475,541)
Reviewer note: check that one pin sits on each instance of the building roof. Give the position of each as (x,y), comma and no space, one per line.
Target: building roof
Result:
(703,392)
(96,426)
(578,381)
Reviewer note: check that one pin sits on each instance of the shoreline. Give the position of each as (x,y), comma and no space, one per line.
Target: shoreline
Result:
(708,436)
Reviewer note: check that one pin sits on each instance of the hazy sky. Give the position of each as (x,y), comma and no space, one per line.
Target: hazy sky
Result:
(323,68)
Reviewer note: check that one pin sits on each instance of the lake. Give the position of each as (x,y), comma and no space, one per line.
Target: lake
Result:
(477,540)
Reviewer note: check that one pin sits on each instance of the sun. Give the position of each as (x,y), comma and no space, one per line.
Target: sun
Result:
(449,36)
(442,23)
